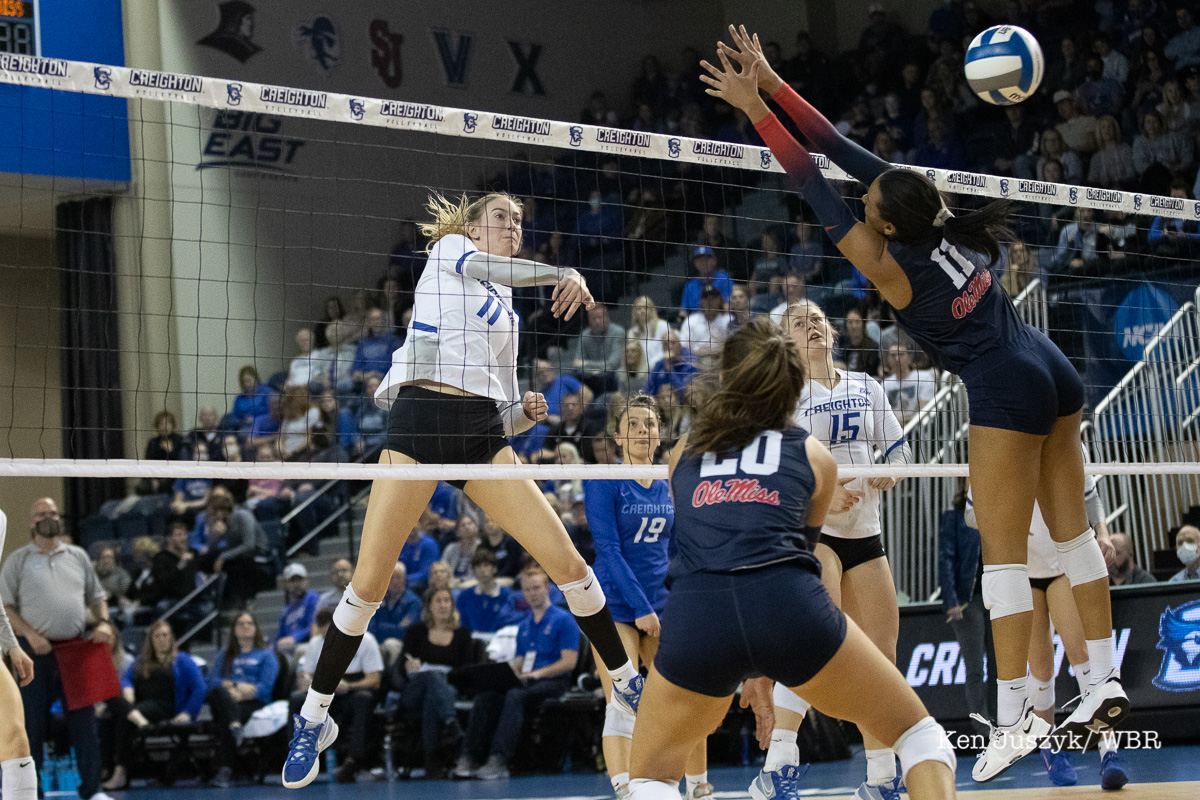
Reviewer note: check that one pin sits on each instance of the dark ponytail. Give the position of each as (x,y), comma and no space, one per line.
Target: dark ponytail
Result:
(762,377)
(911,202)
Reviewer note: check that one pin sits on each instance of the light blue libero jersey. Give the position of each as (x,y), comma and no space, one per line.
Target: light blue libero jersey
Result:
(631,528)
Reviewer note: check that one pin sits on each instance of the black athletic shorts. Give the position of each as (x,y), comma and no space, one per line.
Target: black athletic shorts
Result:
(435,428)
(1042,584)
(718,629)
(1025,390)
(852,552)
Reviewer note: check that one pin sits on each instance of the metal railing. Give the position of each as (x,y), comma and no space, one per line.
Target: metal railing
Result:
(912,510)
(1153,415)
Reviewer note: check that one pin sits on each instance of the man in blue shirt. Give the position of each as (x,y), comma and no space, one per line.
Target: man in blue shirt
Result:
(400,609)
(417,556)
(554,388)
(547,652)
(295,626)
(487,606)
(705,261)
(374,351)
(675,369)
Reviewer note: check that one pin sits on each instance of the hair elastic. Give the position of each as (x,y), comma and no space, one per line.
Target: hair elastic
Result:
(940,218)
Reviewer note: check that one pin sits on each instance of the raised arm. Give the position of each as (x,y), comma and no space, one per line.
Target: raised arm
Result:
(864,165)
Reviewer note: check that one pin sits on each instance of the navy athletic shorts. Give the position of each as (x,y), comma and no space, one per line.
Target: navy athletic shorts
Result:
(719,629)
(852,552)
(436,428)
(1026,389)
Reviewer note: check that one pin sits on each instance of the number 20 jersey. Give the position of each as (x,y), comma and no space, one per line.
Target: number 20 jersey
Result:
(854,420)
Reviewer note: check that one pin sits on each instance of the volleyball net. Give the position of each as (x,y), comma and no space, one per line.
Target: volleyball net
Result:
(255,271)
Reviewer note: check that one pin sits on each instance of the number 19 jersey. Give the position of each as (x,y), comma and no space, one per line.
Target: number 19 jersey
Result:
(854,420)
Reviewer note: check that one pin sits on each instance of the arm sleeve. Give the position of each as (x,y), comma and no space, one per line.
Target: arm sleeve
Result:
(515,272)
(804,176)
(268,671)
(864,165)
(947,560)
(599,504)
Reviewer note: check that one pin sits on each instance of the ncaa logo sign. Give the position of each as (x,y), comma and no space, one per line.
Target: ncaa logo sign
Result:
(764,158)
(356,108)
(103,76)
(673,147)
(233,93)
(1004,187)
(1179,639)
(469,122)
(576,135)
(1073,195)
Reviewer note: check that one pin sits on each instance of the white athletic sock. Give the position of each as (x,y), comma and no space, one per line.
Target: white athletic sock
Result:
(647,789)
(1010,699)
(19,780)
(623,675)
(881,766)
(1083,676)
(316,706)
(1108,743)
(783,752)
(1100,656)
(692,781)
(619,780)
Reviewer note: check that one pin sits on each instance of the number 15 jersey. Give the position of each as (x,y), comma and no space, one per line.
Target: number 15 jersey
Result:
(854,420)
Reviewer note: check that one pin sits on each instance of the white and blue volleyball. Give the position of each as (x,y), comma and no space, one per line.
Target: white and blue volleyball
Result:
(1004,65)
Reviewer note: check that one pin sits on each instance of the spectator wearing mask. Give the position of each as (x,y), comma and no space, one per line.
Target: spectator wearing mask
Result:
(240,682)
(704,260)
(354,700)
(432,647)
(299,609)
(163,685)
(487,606)
(419,553)
(548,649)
(400,610)
(907,389)
(340,572)
(1125,570)
(373,353)
(48,588)
(1187,548)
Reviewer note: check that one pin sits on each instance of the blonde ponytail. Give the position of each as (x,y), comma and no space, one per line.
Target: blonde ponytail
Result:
(453,217)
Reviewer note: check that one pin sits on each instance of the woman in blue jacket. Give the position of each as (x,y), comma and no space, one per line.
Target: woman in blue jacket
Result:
(239,683)
(162,685)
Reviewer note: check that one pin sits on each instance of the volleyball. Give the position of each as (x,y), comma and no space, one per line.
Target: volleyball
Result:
(1004,65)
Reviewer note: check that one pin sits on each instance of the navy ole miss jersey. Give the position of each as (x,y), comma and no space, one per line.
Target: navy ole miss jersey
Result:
(958,314)
(744,508)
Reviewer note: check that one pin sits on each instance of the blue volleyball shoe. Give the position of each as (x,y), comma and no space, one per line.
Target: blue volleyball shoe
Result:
(1058,767)
(308,740)
(1112,772)
(631,695)
(778,784)
(887,791)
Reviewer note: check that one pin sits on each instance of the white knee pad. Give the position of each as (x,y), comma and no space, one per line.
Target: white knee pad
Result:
(353,614)
(925,741)
(1041,694)
(647,789)
(618,721)
(584,596)
(783,697)
(1006,589)
(1081,559)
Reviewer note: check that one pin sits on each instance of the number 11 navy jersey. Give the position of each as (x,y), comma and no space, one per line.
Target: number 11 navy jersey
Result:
(958,314)
(744,508)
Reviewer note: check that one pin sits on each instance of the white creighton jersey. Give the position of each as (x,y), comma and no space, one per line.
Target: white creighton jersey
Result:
(463,331)
(855,421)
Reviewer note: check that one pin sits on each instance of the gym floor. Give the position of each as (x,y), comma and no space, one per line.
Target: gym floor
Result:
(1175,772)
